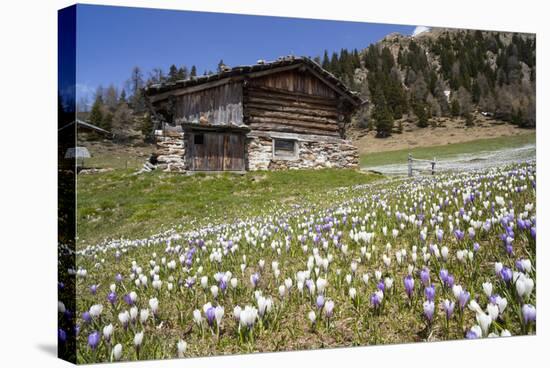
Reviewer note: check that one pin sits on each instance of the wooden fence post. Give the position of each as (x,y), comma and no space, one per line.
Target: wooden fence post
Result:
(433,166)
(410,165)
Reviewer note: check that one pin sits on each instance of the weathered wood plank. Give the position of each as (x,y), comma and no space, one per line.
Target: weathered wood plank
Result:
(290,129)
(297,123)
(291,109)
(289,116)
(271,92)
(248,99)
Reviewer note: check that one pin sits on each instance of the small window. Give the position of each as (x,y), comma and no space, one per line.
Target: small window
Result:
(284,147)
(198,139)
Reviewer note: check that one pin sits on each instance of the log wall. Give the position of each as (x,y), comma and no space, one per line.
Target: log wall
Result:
(219,105)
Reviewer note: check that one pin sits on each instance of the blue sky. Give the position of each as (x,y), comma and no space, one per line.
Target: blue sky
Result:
(111,40)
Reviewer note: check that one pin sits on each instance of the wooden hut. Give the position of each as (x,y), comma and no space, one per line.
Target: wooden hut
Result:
(289,113)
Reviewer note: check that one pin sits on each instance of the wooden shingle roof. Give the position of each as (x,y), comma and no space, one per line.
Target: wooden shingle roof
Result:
(282,63)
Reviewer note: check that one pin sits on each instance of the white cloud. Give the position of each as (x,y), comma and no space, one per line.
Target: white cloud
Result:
(420,29)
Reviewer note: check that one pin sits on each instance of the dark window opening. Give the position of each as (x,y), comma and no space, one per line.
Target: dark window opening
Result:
(284,147)
(198,139)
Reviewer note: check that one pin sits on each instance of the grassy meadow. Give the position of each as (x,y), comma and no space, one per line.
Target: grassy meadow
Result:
(447,151)
(120,204)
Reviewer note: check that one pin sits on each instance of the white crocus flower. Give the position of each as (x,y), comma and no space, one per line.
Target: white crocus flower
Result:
(493,311)
(197,316)
(124,317)
(182,347)
(488,289)
(133,313)
(154,304)
(108,331)
(95,310)
(143,315)
(218,313)
(484,321)
(138,339)
(117,352)
(312,317)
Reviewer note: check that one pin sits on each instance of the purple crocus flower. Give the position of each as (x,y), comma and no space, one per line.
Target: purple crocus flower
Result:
(476,247)
(111,297)
(93,340)
(450,281)
(459,234)
(439,235)
(223,285)
(408,281)
(471,335)
(429,310)
(320,301)
(443,275)
(118,277)
(381,286)
(61,336)
(448,308)
(529,313)
(255,278)
(211,315)
(425,276)
(506,274)
(93,289)
(87,317)
(429,292)
(375,300)
(534,232)
(189,282)
(128,299)
(463,298)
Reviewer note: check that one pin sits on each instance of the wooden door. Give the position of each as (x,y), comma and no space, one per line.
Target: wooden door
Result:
(233,155)
(213,151)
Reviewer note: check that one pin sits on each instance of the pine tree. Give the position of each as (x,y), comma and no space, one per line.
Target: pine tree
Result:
(455,107)
(173,73)
(96,114)
(193,71)
(220,67)
(326,61)
(122,97)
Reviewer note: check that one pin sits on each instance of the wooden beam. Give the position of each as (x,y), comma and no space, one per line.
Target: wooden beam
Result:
(291,109)
(290,102)
(261,113)
(272,122)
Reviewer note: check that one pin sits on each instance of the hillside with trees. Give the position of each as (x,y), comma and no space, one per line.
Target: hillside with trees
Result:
(441,73)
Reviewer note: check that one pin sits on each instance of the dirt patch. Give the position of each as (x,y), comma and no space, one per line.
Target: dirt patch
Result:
(447,131)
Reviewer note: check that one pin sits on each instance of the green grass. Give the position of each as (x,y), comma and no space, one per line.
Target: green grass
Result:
(117,203)
(446,151)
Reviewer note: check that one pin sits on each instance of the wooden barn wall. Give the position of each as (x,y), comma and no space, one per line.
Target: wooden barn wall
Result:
(295,81)
(291,102)
(221,105)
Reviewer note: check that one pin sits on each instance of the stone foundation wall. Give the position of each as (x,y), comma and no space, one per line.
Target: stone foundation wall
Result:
(314,154)
(170,151)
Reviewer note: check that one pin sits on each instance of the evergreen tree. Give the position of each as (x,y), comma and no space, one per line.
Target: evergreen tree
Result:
(455,107)
(193,71)
(326,61)
(221,65)
(96,114)
(173,73)
(122,97)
